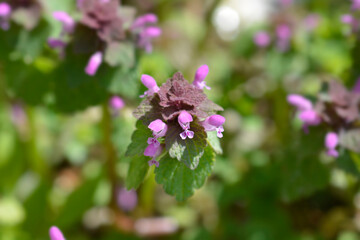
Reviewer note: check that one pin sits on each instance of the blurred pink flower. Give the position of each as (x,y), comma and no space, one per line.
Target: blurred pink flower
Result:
(56,234)
(150,83)
(262,39)
(312,21)
(94,63)
(331,142)
(284,34)
(200,76)
(143,28)
(5,13)
(127,200)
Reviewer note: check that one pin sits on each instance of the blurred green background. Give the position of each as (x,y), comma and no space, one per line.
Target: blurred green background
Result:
(272,182)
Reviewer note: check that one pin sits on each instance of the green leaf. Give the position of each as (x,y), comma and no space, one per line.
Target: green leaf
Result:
(30,44)
(137,171)
(124,82)
(122,54)
(300,168)
(214,142)
(74,89)
(351,140)
(29,84)
(188,151)
(180,181)
(348,163)
(138,140)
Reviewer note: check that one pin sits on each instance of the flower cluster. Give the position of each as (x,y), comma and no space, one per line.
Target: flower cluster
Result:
(177,112)
(29,8)
(102,28)
(338,109)
(351,19)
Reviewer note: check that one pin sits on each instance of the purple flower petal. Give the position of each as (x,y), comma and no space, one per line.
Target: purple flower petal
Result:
(347,19)
(141,21)
(262,39)
(356,88)
(67,21)
(157,125)
(127,200)
(117,103)
(150,83)
(94,63)
(331,140)
(5,10)
(153,162)
(299,102)
(184,118)
(151,32)
(55,233)
(310,118)
(56,43)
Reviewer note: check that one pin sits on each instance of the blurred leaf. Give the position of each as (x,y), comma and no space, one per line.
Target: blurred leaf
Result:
(122,54)
(77,203)
(29,84)
(350,139)
(31,43)
(301,171)
(188,151)
(137,171)
(74,89)
(348,164)
(36,210)
(180,181)
(124,82)
(214,142)
(138,140)
(11,212)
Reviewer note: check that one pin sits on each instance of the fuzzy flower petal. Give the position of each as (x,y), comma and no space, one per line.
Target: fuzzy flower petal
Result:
(158,127)
(299,102)
(55,233)
(310,118)
(67,21)
(262,39)
(117,103)
(331,142)
(200,76)
(94,63)
(150,83)
(214,123)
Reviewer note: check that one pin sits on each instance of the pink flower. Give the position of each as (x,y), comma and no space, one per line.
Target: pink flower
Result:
(351,21)
(283,33)
(117,103)
(142,27)
(356,88)
(331,142)
(150,83)
(55,233)
(153,151)
(214,123)
(200,76)
(159,129)
(299,102)
(311,21)
(355,4)
(184,120)
(307,114)
(67,21)
(94,63)
(127,200)
(5,12)
(262,39)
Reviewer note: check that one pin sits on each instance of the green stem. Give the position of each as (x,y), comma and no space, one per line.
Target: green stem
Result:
(110,153)
(36,160)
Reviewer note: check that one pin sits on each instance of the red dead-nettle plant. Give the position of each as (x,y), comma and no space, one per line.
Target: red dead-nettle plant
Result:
(177,131)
